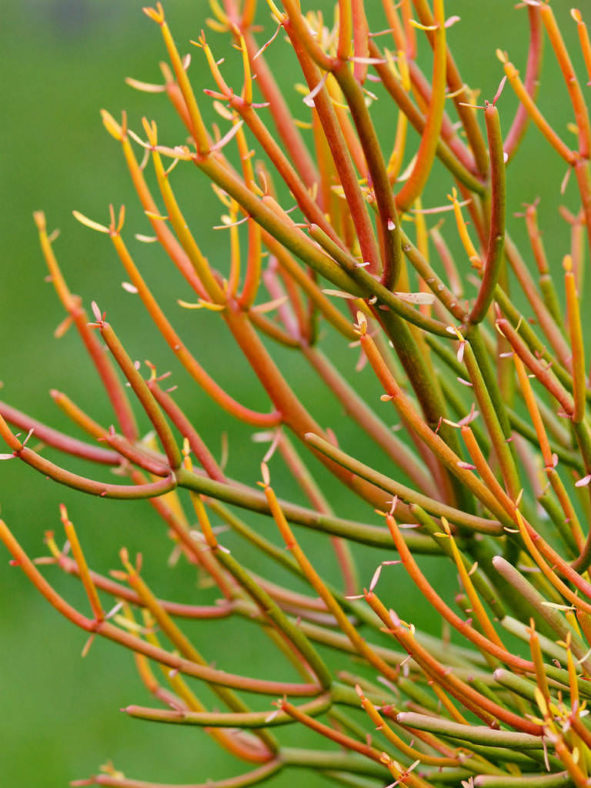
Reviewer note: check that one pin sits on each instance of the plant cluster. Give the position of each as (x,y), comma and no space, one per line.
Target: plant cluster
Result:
(329,238)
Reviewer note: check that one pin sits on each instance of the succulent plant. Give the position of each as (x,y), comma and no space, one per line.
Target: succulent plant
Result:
(477,346)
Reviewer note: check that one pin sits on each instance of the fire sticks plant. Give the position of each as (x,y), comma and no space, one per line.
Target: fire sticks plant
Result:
(332,237)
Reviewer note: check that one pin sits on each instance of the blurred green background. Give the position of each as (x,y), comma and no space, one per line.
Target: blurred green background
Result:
(63,60)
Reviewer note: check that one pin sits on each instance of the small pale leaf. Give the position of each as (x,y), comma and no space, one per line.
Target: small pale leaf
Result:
(89,222)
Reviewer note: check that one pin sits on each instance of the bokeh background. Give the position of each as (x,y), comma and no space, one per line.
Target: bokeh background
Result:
(62,60)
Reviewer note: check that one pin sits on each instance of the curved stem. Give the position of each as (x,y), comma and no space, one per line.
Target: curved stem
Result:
(208,719)
(443,151)
(534,63)
(425,156)
(105,629)
(388,221)
(58,440)
(243,781)
(72,304)
(143,393)
(464,519)
(496,239)
(460,93)
(493,647)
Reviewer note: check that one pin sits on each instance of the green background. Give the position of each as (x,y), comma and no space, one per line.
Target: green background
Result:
(61,61)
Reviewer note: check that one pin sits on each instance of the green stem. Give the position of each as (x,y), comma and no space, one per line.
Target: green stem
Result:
(432,279)
(470,733)
(550,615)
(246,720)
(253,500)
(278,617)
(492,418)
(325,759)
(143,393)
(496,239)
(559,780)
(291,237)
(357,408)
(469,521)
(388,222)
(371,287)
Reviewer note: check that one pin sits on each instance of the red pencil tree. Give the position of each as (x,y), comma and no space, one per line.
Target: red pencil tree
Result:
(328,234)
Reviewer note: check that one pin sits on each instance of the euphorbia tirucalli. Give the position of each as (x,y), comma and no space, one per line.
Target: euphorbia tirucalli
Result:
(491,472)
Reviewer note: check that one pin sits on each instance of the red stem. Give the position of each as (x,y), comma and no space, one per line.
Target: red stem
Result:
(58,440)
(340,154)
(532,74)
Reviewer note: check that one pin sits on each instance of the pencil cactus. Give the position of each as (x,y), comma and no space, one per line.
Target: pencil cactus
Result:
(330,240)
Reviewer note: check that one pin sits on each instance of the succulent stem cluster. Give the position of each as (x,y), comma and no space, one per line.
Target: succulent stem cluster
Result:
(330,238)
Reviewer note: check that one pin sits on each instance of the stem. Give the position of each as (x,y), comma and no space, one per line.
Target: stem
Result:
(468,521)
(425,157)
(460,93)
(494,647)
(356,407)
(388,222)
(72,304)
(496,238)
(471,733)
(57,439)
(534,63)
(143,393)
(250,778)
(246,720)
